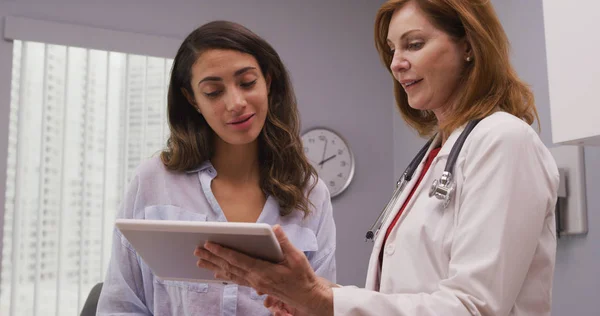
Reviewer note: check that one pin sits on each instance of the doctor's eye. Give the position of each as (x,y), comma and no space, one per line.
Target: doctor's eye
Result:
(415,45)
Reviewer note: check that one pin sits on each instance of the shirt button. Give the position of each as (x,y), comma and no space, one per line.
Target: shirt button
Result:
(390,249)
(211,171)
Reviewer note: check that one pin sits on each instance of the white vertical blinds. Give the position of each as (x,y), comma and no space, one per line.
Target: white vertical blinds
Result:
(81,121)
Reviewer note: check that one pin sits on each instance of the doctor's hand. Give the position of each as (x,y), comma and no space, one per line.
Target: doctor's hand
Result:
(291,281)
(279,308)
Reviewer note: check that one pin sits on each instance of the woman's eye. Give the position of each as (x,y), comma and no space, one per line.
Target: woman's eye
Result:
(248,84)
(415,45)
(212,94)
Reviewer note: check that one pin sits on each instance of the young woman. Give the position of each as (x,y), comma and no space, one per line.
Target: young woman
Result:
(234,154)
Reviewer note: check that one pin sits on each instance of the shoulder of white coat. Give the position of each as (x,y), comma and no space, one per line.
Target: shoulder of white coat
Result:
(508,136)
(505,130)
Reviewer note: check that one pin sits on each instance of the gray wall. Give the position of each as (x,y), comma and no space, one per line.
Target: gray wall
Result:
(328,48)
(577,280)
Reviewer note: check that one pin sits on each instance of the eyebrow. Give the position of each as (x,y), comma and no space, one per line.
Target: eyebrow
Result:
(406,34)
(236,73)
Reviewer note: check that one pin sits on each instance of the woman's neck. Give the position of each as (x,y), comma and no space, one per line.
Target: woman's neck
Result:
(237,163)
(442,114)
(443,137)
(441,118)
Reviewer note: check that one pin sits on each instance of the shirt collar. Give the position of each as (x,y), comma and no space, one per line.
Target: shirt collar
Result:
(202,167)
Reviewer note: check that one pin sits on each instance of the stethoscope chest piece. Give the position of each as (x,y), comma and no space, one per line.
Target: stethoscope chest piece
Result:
(443,188)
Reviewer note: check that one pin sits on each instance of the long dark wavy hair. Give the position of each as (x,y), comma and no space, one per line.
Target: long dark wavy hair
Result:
(285,172)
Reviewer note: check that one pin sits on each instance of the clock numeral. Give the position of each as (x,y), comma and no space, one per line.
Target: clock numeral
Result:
(311,140)
(340,151)
(340,175)
(333,141)
(323,138)
(343,163)
(305,149)
(332,183)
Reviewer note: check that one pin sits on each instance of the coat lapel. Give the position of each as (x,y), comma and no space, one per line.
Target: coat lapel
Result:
(372,282)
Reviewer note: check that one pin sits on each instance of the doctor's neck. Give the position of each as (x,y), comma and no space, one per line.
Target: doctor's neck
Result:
(442,114)
(236,163)
(443,138)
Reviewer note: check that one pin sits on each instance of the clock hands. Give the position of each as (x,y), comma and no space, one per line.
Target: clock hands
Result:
(324,151)
(338,178)
(326,160)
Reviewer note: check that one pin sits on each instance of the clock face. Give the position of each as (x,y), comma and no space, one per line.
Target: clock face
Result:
(331,156)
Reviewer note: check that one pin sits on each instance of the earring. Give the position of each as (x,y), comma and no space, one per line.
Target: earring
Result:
(468,58)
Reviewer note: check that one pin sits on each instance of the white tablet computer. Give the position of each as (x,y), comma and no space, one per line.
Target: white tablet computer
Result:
(167,247)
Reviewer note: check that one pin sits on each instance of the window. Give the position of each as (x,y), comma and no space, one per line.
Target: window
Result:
(81,120)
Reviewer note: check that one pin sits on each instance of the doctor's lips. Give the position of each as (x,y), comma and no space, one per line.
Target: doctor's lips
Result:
(241,119)
(406,84)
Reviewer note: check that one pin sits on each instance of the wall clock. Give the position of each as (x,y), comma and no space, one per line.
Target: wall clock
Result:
(330,155)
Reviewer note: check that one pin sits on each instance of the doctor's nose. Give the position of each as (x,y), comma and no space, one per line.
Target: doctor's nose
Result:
(399,63)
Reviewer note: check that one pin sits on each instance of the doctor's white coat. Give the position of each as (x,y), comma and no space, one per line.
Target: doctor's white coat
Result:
(490,252)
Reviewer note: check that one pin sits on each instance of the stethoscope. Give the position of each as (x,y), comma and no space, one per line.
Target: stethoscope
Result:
(442,188)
